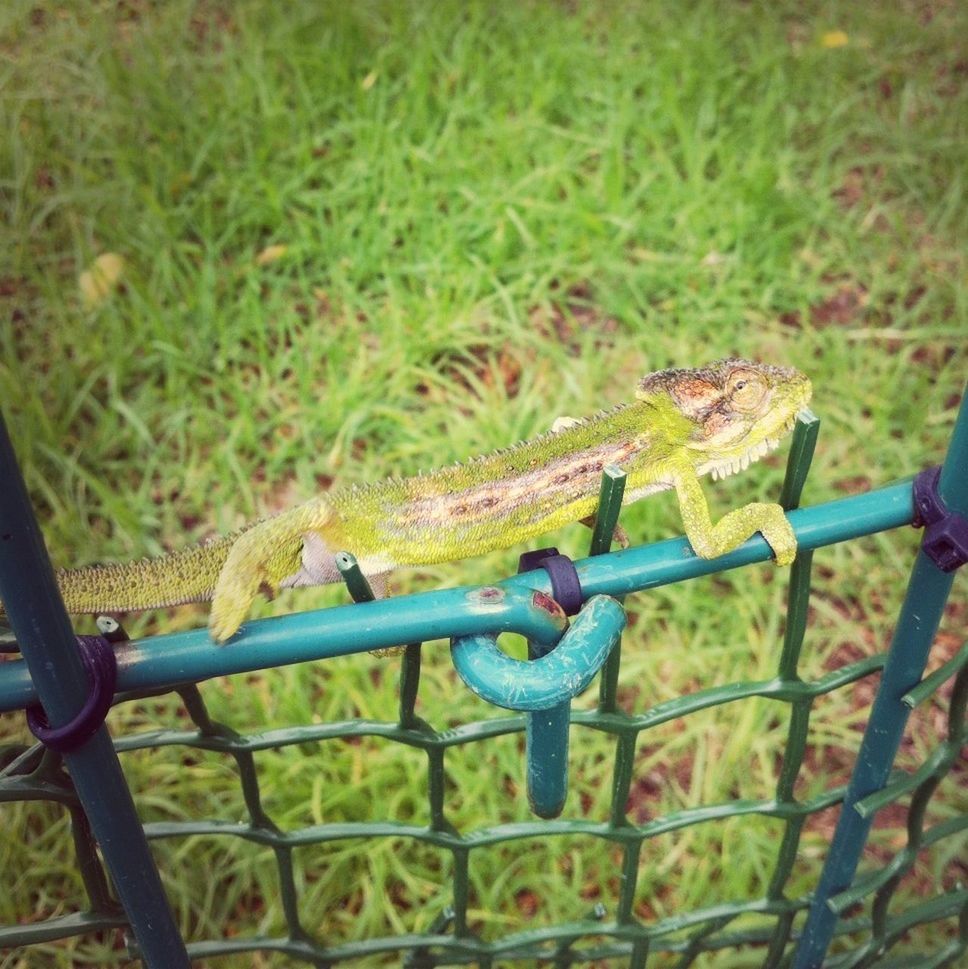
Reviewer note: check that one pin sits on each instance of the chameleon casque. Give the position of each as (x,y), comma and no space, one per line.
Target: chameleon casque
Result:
(682,424)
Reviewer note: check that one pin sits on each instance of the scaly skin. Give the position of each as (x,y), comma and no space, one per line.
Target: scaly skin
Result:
(682,424)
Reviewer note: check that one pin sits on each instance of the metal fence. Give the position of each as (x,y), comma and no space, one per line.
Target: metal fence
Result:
(790,930)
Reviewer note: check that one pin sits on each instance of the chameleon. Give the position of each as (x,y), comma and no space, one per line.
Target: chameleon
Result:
(682,424)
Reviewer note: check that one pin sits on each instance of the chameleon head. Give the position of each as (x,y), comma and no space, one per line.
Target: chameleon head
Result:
(739,410)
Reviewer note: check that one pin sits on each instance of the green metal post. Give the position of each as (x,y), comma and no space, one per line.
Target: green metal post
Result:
(547,732)
(917,624)
(37,616)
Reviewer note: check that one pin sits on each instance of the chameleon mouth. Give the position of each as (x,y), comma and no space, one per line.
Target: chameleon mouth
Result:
(724,467)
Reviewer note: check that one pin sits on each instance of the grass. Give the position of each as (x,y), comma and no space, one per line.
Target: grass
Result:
(492,215)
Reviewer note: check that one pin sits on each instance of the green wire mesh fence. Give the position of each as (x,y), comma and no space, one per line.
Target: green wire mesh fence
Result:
(773,930)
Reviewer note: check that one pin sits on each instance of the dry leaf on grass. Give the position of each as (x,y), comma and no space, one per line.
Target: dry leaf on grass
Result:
(98,282)
(834,38)
(271,254)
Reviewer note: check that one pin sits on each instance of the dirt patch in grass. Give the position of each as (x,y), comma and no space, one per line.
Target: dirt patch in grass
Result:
(951,78)
(477,366)
(843,307)
(15,294)
(648,788)
(566,316)
(859,184)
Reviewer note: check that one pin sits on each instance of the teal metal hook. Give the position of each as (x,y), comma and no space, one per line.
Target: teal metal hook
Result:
(541,688)
(502,678)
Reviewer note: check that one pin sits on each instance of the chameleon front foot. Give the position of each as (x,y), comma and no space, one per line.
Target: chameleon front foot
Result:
(739,525)
(781,539)
(709,541)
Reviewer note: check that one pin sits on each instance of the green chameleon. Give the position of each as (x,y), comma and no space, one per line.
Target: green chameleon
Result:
(681,425)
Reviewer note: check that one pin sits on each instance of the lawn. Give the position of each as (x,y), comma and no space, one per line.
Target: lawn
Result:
(362,239)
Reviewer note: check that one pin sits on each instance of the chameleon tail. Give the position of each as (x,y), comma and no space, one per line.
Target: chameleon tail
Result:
(185,576)
(169,580)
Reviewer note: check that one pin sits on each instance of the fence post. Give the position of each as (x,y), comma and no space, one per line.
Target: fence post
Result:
(920,615)
(39,621)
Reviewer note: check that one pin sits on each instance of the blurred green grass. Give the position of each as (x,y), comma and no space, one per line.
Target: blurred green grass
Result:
(492,215)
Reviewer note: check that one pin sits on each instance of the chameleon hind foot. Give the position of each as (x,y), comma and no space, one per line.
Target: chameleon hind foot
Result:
(264,558)
(244,575)
(620,536)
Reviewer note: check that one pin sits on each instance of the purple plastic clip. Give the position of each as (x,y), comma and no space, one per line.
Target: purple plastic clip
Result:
(102,670)
(565,586)
(945,539)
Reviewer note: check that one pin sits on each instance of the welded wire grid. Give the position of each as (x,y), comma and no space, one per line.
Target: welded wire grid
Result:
(611,931)
(37,774)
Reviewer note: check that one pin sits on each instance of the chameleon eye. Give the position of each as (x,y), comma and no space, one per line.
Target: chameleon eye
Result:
(745,389)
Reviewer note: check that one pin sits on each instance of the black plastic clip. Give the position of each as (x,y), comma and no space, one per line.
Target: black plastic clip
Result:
(945,539)
(102,671)
(565,586)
